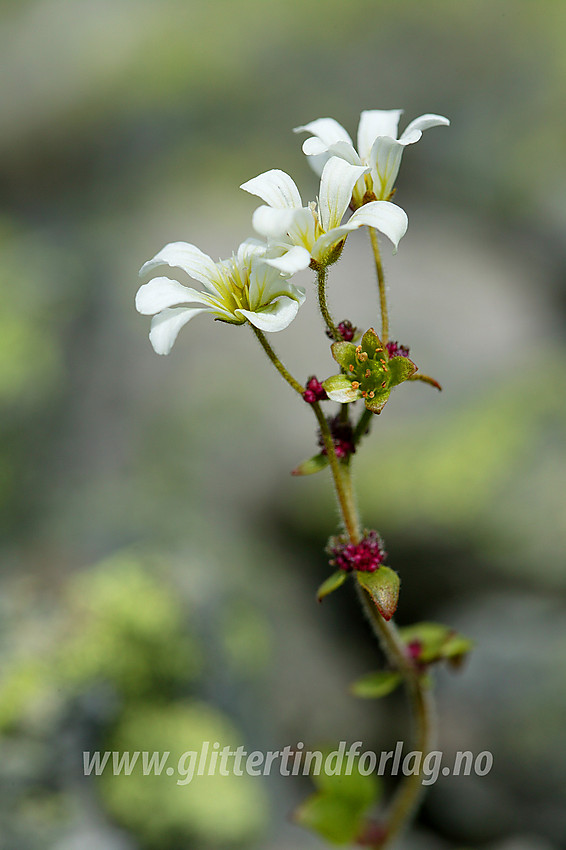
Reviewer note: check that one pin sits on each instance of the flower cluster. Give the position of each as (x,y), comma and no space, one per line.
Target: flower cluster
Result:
(253,285)
(365,556)
(368,371)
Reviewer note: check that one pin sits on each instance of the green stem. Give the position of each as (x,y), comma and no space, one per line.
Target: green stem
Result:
(407,798)
(381,286)
(362,425)
(341,477)
(276,361)
(322,275)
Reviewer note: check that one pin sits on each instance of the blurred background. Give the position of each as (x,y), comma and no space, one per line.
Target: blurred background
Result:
(159,562)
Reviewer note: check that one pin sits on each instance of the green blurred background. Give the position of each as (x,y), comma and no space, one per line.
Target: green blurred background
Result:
(159,562)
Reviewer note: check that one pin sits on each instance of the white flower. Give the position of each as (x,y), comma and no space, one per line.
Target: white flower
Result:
(378,146)
(243,288)
(301,234)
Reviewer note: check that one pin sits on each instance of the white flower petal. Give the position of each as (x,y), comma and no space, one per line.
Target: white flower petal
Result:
(276,188)
(190,259)
(266,284)
(248,249)
(294,260)
(302,228)
(336,184)
(386,217)
(275,316)
(162,292)
(374,123)
(385,159)
(424,122)
(329,239)
(327,130)
(167,324)
(272,223)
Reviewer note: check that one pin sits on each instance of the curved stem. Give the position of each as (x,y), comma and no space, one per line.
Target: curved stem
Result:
(322,275)
(276,361)
(381,286)
(407,798)
(405,801)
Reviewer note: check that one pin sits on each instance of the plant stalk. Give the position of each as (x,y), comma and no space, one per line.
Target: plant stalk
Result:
(381,286)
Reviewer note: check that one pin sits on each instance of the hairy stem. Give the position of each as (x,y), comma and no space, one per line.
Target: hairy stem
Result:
(276,361)
(322,275)
(381,286)
(408,796)
(341,477)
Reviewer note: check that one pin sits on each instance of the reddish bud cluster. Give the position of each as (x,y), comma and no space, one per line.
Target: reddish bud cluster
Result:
(365,556)
(343,436)
(314,391)
(396,350)
(346,330)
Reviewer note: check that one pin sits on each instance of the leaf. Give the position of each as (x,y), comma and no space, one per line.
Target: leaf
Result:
(312,465)
(361,790)
(437,641)
(375,685)
(331,584)
(337,810)
(383,587)
(336,819)
(426,379)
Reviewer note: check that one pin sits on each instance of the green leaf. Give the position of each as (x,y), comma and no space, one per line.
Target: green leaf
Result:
(437,641)
(371,342)
(400,369)
(336,819)
(312,465)
(344,353)
(375,685)
(331,584)
(362,791)
(383,587)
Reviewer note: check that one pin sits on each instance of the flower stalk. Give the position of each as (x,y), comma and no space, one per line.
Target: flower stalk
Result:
(381,286)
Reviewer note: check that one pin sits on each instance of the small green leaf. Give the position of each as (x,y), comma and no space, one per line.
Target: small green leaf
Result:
(400,369)
(344,353)
(360,790)
(312,465)
(425,379)
(375,685)
(383,587)
(331,584)
(336,819)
